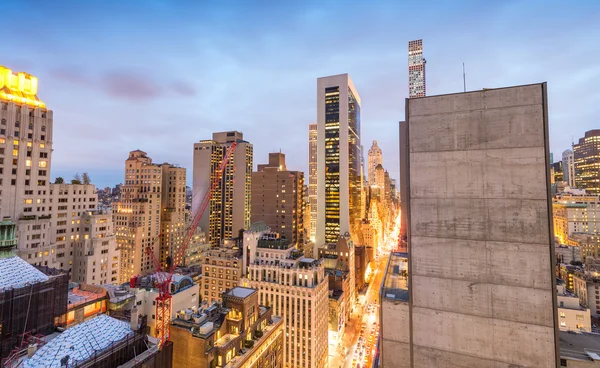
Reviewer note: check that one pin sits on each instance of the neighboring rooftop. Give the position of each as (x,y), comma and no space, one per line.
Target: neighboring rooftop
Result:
(16,273)
(395,284)
(240,292)
(579,346)
(80,343)
(281,243)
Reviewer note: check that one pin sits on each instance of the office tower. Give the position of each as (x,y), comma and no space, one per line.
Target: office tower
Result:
(241,333)
(137,215)
(96,260)
(455,295)
(172,211)
(416,69)
(229,208)
(312,179)
(26,127)
(587,166)
(339,158)
(568,164)
(277,198)
(222,269)
(297,290)
(375,158)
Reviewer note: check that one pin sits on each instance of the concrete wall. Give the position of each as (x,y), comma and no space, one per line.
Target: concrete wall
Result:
(395,343)
(480,231)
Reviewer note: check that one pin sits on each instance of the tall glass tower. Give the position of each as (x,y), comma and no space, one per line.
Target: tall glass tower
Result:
(339,158)
(416,69)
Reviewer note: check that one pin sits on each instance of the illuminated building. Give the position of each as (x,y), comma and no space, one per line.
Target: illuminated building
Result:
(339,256)
(477,251)
(229,208)
(416,69)
(297,289)
(339,158)
(575,214)
(277,198)
(26,128)
(568,165)
(375,159)
(587,162)
(221,271)
(241,333)
(172,211)
(312,179)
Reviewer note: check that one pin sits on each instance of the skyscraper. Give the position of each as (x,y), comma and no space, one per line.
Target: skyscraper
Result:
(455,295)
(568,160)
(339,158)
(277,198)
(172,210)
(375,158)
(229,208)
(312,179)
(587,165)
(416,69)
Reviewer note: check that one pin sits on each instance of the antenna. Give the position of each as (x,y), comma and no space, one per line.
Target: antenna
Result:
(464,79)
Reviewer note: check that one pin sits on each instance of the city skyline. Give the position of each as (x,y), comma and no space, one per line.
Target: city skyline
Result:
(163,71)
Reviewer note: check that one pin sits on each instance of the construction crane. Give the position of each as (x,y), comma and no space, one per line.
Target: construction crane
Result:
(163,300)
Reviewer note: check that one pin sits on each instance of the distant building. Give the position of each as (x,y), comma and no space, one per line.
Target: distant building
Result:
(229,209)
(172,209)
(340,256)
(278,198)
(221,271)
(587,166)
(312,179)
(587,287)
(571,315)
(574,214)
(198,245)
(239,334)
(375,159)
(568,166)
(296,288)
(416,69)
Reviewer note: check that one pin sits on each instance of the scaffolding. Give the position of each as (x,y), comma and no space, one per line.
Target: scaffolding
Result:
(32,310)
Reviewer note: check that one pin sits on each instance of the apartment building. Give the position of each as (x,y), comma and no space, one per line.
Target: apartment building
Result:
(95,255)
(297,289)
(221,271)
(572,315)
(278,198)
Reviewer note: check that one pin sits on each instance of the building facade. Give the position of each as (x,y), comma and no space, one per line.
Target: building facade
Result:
(172,211)
(339,158)
(416,69)
(221,271)
(375,159)
(449,315)
(96,259)
(277,198)
(568,165)
(297,289)
(587,166)
(229,208)
(312,179)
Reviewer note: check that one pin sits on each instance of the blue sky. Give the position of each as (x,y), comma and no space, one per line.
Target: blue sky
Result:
(161,75)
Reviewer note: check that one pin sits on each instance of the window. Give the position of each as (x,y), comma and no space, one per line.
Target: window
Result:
(17,124)
(28,163)
(15,152)
(42,163)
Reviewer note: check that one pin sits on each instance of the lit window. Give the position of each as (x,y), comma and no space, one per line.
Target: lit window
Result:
(2,140)
(16,142)
(29,144)
(42,145)
(28,201)
(43,164)
(15,152)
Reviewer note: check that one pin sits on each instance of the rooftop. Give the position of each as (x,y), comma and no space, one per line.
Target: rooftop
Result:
(80,343)
(240,292)
(578,346)
(395,284)
(281,243)
(16,273)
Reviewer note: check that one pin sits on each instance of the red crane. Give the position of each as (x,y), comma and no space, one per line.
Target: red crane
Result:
(163,300)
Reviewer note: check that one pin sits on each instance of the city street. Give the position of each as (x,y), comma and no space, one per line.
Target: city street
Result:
(362,330)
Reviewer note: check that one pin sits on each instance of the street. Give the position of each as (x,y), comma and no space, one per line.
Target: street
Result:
(362,330)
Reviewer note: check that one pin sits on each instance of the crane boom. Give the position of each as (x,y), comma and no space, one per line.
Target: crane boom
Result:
(163,300)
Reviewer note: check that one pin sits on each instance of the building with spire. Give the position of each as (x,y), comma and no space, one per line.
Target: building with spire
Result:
(375,158)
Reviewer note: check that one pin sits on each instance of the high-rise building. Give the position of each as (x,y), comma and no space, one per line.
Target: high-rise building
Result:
(375,158)
(172,211)
(222,270)
(587,165)
(568,164)
(277,198)
(137,215)
(339,158)
(229,208)
(416,69)
(26,127)
(312,179)
(455,294)
(297,289)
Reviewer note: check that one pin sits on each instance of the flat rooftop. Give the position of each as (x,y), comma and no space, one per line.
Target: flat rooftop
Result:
(80,342)
(395,283)
(16,273)
(240,292)
(576,346)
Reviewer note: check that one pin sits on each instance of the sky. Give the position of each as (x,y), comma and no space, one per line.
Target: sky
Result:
(161,75)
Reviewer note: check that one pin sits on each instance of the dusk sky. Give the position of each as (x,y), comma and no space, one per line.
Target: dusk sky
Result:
(160,75)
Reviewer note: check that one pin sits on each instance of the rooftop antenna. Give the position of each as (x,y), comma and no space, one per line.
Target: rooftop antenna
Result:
(464,79)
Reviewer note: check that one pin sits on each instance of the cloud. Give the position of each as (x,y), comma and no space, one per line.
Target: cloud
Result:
(130,86)
(183,88)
